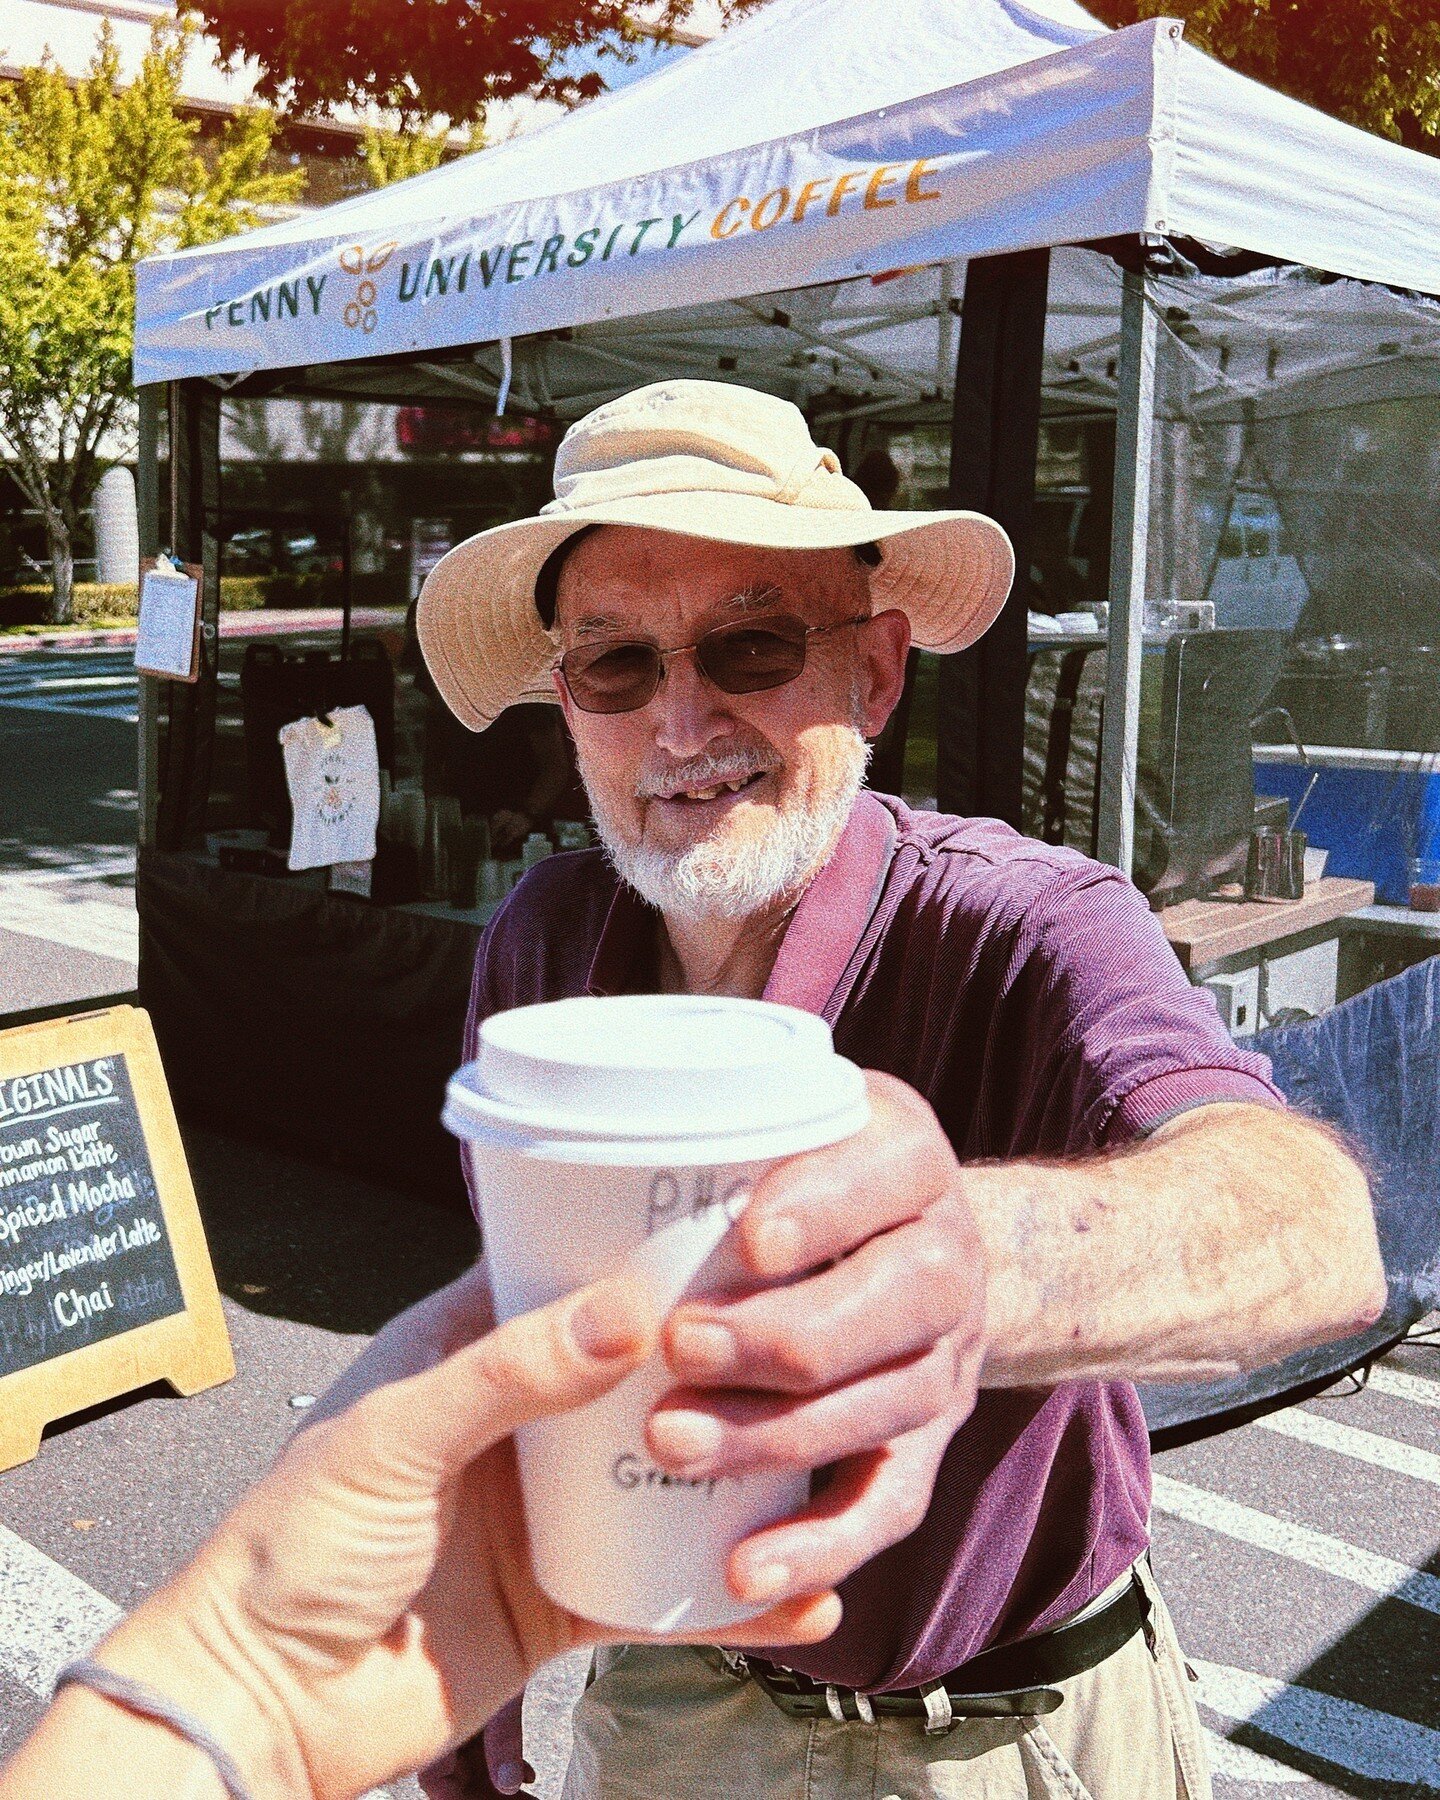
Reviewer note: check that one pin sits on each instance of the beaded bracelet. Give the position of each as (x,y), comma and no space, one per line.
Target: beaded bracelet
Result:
(137,1697)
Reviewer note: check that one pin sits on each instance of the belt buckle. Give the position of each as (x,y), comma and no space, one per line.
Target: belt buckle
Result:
(800,1697)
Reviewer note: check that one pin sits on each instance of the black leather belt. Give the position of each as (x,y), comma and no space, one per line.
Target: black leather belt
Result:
(1013,1681)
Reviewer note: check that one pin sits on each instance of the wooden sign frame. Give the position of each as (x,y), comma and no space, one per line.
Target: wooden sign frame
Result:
(190,1348)
(148,566)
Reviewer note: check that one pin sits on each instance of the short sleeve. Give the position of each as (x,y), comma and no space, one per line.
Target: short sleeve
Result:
(1124,1040)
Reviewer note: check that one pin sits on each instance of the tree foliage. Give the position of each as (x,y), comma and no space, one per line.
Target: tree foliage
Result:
(95,175)
(418,60)
(1375,63)
(397,155)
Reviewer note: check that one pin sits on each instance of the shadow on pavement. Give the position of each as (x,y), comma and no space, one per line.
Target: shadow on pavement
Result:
(317,1245)
(1382,1678)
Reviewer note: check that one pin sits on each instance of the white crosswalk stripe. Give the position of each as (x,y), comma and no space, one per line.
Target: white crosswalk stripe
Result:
(1354,1738)
(1358,1740)
(1349,1440)
(51,1616)
(101,686)
(1330,1555)
(1401,1385)
(65,914)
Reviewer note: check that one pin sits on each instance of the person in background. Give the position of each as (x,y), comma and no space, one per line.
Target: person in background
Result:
(370,1601)
(520,774)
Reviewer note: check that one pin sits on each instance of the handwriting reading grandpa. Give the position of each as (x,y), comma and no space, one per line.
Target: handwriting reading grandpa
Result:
(631,1471)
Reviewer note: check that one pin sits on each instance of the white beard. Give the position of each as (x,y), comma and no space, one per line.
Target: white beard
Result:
(720,880)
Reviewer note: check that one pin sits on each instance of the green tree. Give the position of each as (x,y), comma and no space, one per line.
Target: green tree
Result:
(419,60)
(414,150)
(1375,63)
(94,175)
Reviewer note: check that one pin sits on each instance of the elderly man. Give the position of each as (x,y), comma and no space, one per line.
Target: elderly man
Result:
(1072,1181)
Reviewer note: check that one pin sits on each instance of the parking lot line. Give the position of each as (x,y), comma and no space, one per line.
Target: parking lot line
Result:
(1362,1446)
(48,1616)
(1332,1556)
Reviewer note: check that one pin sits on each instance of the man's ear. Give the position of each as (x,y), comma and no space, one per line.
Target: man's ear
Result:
(884,644)
(567,705)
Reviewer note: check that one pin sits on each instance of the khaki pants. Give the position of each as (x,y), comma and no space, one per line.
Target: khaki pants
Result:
(660,1723)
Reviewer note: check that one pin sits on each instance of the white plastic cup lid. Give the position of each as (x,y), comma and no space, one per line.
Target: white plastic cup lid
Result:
(648,1066)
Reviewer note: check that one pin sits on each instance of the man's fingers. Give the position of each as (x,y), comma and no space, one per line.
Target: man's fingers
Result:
(428,1428)
(893,1298)
(821,1205)
(869,1503)
(694,1433)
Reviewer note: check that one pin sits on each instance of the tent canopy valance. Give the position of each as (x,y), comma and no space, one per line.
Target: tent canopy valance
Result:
(816,144)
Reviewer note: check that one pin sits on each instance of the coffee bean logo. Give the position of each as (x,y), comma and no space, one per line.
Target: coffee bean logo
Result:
(360,313)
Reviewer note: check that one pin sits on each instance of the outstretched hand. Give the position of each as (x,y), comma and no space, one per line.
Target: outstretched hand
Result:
(861,1347)
(371,1598)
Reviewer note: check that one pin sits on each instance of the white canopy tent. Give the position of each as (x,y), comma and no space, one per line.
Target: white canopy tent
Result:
(800,204)
(818,141)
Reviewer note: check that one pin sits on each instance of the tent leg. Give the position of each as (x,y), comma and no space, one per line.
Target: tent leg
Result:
(193,515)
(994,437)
(147,484)
(1134,443)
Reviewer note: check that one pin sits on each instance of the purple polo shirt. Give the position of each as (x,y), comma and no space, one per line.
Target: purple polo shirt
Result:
(1030,996)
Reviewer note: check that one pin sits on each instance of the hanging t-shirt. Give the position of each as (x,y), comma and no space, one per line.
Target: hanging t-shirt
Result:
(332,769)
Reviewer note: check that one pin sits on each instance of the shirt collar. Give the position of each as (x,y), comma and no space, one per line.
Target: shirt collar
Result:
(818,944)
(624,959)
(834,910)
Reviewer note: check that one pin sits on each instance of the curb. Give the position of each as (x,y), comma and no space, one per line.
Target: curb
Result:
(67,640)
(232,625)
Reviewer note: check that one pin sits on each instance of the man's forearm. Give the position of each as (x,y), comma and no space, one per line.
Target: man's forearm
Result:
(1234,1236)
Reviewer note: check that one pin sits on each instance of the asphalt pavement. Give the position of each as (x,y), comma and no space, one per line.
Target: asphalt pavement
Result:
(68,930)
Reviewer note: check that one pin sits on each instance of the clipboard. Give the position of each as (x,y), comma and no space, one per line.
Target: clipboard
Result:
(167,641)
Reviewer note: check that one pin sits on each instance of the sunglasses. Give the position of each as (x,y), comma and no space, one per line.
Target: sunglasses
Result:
(747,657)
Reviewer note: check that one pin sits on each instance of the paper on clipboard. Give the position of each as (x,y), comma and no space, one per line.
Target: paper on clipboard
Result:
(167,642)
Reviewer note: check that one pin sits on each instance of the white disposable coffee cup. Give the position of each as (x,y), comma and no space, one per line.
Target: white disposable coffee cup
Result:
(619,1134)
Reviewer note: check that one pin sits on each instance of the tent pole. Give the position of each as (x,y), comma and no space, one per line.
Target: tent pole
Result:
(994,439)
(147,483)
(1134,443)
(192,525)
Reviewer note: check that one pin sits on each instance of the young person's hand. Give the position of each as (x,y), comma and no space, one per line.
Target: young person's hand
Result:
(369,1604)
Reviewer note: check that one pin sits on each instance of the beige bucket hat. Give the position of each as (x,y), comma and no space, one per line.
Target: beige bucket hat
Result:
(710,460)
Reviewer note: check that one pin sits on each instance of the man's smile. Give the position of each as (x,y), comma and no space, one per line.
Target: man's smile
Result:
(705,794)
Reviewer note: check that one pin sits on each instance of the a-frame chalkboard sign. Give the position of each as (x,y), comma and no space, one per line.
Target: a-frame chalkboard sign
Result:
(105,1278)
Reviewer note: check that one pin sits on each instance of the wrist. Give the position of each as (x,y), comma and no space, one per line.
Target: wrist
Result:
(88,1747)
(176,1644)
(1013,1210)
(1048,1232)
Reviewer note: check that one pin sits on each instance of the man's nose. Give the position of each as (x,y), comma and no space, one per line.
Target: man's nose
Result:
(689,712)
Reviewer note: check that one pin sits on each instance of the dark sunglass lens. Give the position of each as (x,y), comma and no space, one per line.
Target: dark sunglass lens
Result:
(744,659)
(611,677)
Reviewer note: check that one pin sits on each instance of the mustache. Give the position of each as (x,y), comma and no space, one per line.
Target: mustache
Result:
(738,764)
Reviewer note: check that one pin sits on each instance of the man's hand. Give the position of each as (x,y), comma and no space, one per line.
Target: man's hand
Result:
(869,1358)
